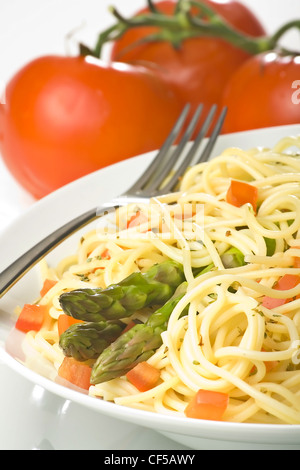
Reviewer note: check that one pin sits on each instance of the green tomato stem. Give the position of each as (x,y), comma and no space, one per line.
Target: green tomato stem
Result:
(152,6)
(184,25)
(283,29)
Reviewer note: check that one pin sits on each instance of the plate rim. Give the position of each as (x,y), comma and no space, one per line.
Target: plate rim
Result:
(242,432)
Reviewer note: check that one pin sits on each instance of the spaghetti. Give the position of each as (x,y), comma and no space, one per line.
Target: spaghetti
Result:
(229,341)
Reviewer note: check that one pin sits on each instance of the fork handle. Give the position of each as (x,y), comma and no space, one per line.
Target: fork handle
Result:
(25,262)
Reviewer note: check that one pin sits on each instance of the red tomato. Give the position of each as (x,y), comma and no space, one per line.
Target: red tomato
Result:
(200,68)
(65,117)
(263,92)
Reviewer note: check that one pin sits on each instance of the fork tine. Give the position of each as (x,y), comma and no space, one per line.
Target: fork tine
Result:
(163,152)
(20,266)
(188,158)
(212,140)
(157,179)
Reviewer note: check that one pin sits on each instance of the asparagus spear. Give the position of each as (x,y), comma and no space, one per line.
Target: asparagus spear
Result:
(138,290)
(84,341)
(135,345)
(140,342)
(118,356)
(233,258)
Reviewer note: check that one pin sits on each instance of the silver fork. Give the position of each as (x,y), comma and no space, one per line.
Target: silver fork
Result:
(151,183)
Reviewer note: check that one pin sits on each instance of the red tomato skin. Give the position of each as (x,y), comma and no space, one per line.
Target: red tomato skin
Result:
(260,93)
(199,69)
(65,117)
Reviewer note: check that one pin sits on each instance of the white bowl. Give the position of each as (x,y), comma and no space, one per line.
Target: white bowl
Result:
(56,209)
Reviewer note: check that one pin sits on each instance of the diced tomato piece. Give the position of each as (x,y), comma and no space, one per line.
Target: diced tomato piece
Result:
(270,302)
(287,282)
(75,372)
(186,213)
(240,193)
(48,284)
(105,254)
(31,317)
(137,219)
(270,365)
(207,404)
(65,321)
(143,376)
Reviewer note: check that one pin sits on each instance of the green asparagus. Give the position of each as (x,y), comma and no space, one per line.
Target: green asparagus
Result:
(135,345)
(233,258)
(84,341)
(140,342)
(102,339)
(117,301)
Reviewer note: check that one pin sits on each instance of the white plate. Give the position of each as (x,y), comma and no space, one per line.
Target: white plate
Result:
(32,418)
(54,210)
